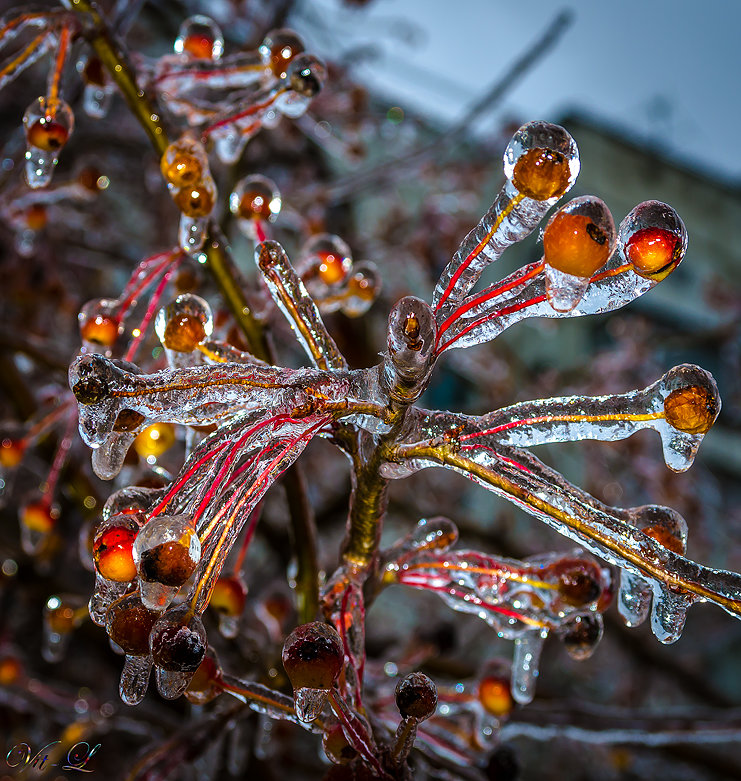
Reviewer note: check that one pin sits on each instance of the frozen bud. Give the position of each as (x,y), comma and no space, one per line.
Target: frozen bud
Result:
(653,239)
(278,49)
(664,525)
(184,324)
(313,656)
(129,623)
(178,640)
(416,697)
(48,126)
(363,287)
(254,199)
(306,75)
(196,201)
(128,420)
(167,550)
(113,547)
(411,338)
(541,161)
(495,695)
(580,634)
(100,324)
(577,241)
(327,257)
(200,38)
(693,402)
(579,581)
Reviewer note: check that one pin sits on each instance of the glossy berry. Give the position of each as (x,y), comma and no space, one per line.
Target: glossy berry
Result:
(575,245)
(181,169)
(39,517)
(196,201)
(178,640)
(580,634)
(416,697)
(155,440)
(692,410)
(313,656)
(183,333)
(169,563)
(278,49)
(112,551)
(47,134)
(229,596)
(11,451)
(199,37)
(306,75)
(100,330)
(257,201)
(333,268)
(90,390)
(336,746)
(541,174)
(129,624)
(495,696)
(653,252)
(578,583)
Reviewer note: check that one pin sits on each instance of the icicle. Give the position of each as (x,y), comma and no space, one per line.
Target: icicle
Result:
(134,679)
(634,598)
(48,127)
(668,612)
(525,662)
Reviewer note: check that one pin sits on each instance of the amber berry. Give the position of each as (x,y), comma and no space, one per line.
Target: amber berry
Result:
(653,252)
(541,174)
(255,204)
(100,330)
(573,244)
(169,563)
(692,410)
(11,451)
(39,517)
(112,553)
(229,596)
(91,390)
(416,697)
(578,585)
(333,268)
(495,696)
(182,169)
(183,333)
(200,47)
(129,623)
(196,201)
(59,616)
(313,656)
(47,134)
(279,48)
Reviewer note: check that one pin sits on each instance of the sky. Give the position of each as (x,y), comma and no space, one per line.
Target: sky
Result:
(654,69)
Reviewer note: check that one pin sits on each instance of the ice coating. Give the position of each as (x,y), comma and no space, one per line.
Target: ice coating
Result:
(512,216)
(48,126)
(182,326)
(292,298)
(523,294)
(255,202)
(199,37)
(36,39)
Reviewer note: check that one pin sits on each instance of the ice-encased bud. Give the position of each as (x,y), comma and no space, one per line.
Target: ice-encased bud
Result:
(113,546)
(255,199)
(166,552)
(692,402)
(541,161)
(100,325)
(278,49)
(416,697)
(579,581)
(183,324)
(48,126)
(326,257)
(577,241)
(663,524)
(98,90)
(60,619)
(200,38)
(132,499)
(411,339)
(580,634)
(129,622)
(184,163)
(494,689)
(305,76)
(312,657)
(178,640)
(653,239)
(362,289)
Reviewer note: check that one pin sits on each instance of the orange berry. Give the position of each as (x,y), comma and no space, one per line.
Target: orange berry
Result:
(11,451)
(183,333)
(495,696)
(279,48)
(129,623)
(692,410)
(229,596)
(575,245)
(60,619)
(541,174)
(196,201)
(579,582)
(313,656)
(11,670)
(112,554)
(653,252)
(36,216)
(47,134)
(169,563)
(39,517)
(333,268)
(199,46)
(100,330)
(255,204)
(181,169)
(155,440)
